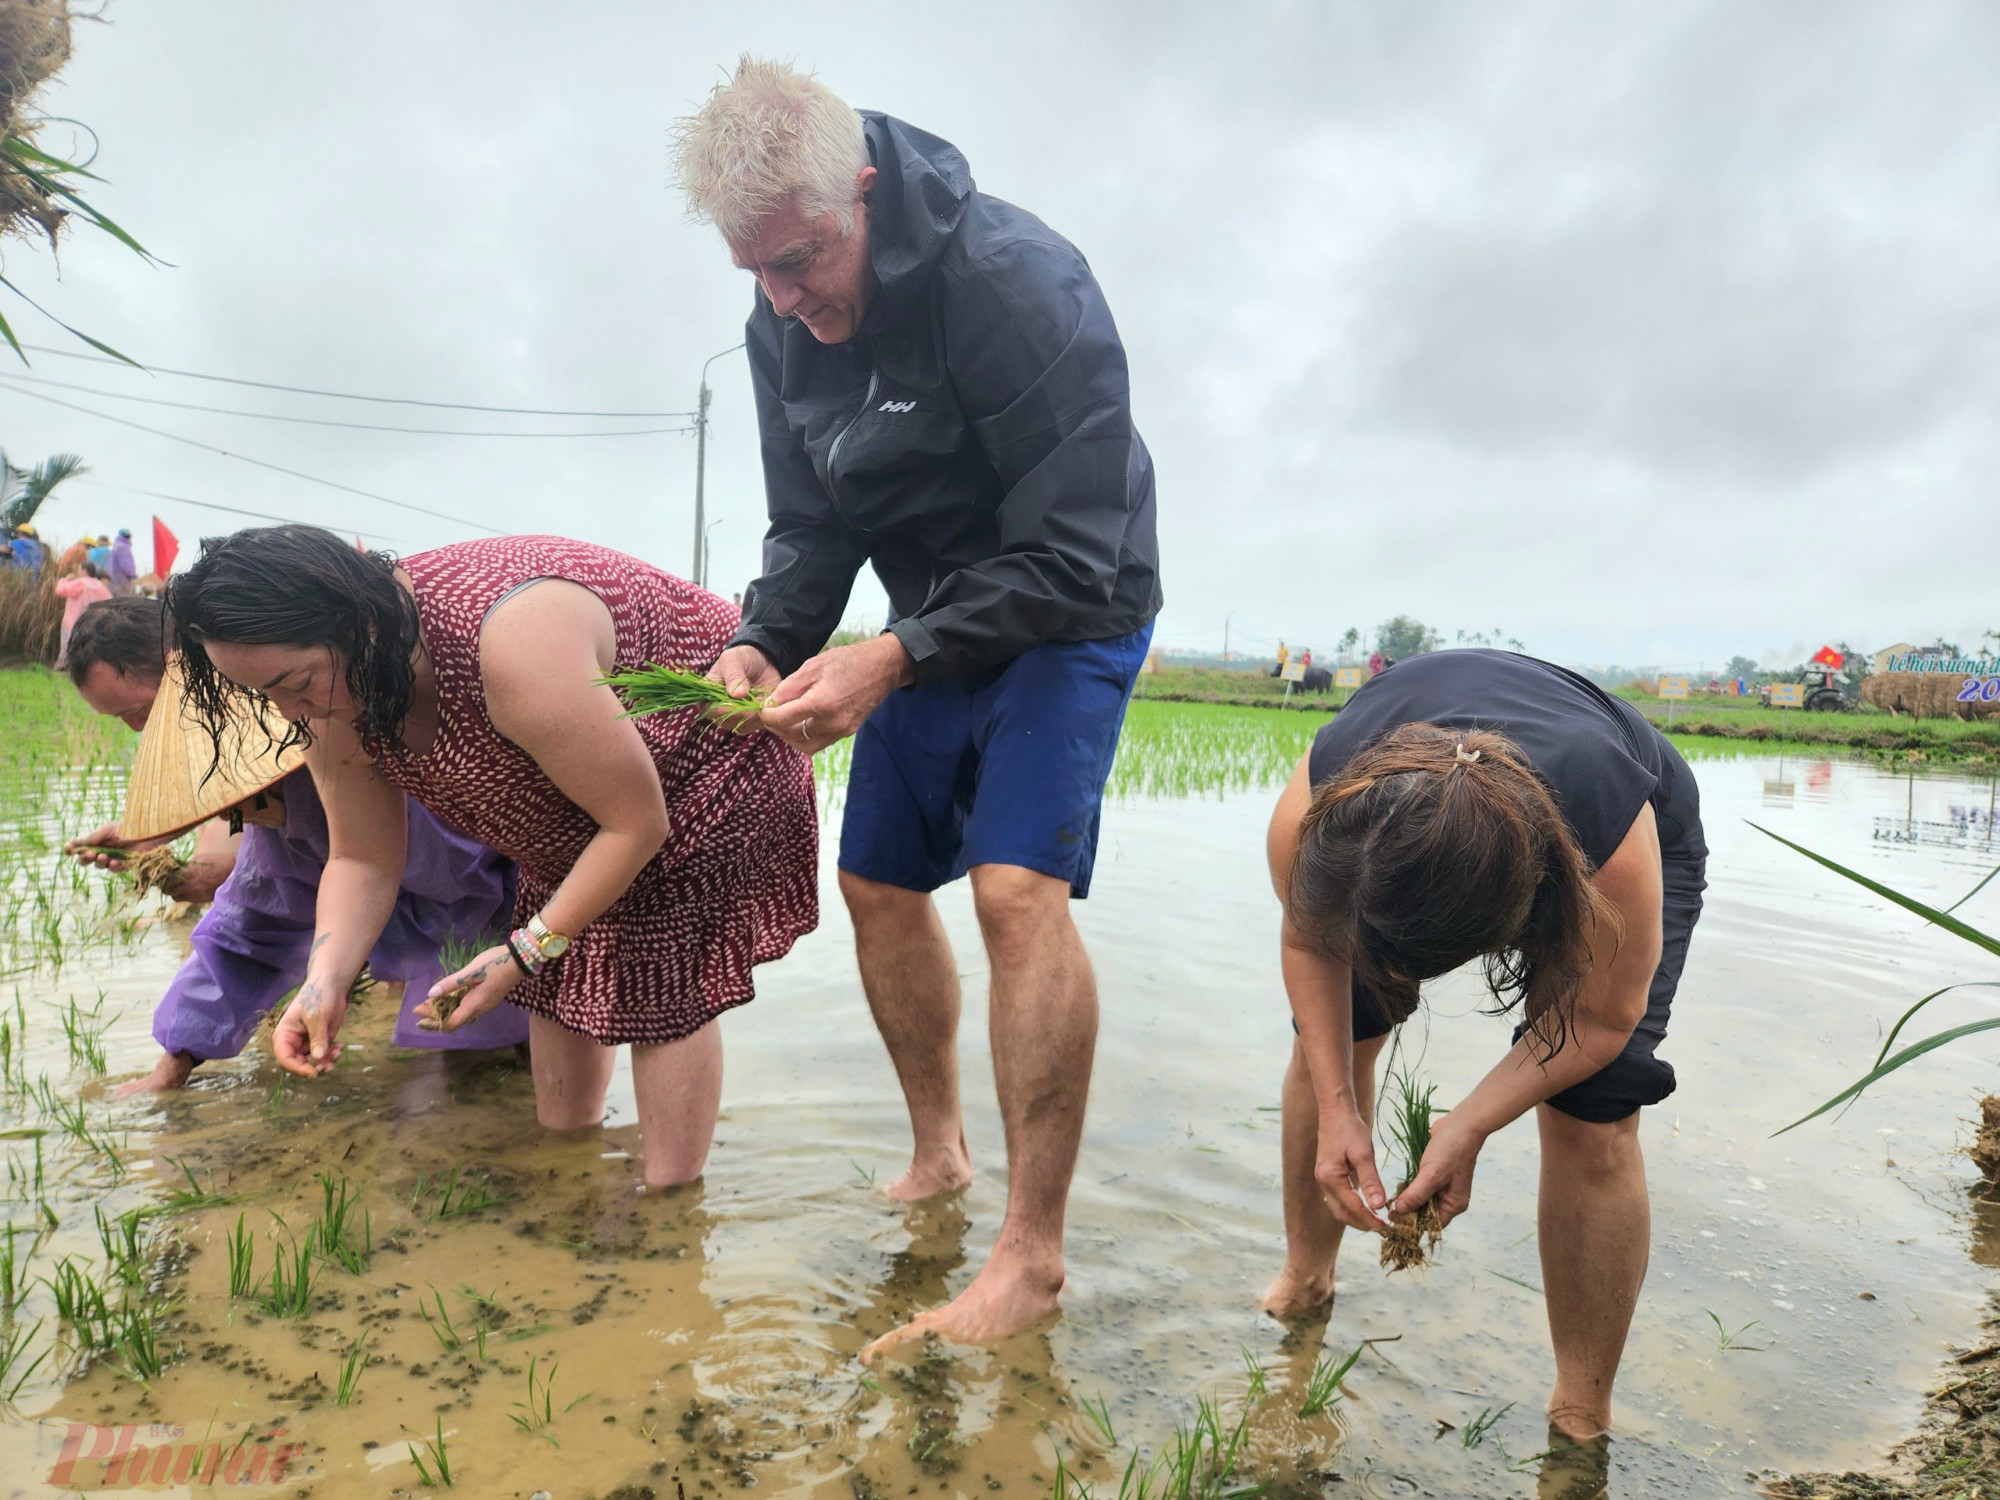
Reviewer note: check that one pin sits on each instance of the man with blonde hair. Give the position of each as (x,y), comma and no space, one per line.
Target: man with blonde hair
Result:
(942,393)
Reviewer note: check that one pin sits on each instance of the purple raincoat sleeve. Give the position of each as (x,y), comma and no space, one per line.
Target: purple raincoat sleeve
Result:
(251,947)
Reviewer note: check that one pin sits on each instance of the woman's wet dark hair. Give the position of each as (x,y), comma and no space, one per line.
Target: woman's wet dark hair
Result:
(1437,846)
(298,586)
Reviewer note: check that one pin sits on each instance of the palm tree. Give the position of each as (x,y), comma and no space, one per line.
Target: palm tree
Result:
(22,491)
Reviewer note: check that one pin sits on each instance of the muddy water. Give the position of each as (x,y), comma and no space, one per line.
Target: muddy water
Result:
(707,1337)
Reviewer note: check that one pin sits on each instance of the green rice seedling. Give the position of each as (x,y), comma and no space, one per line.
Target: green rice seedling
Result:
(181,1200)
(351,1366)
(1100,1417)
(124,1247)
(79,1301)
(1411,1108)
(660,690)
(1476,1431)
(1726,1342)
(1986,1154)
(1323,1385)
(538,1413)
(428,1476)
(242,1254)
(84,1031)
(14,1344)
(13,1271)
(459,1195)
(134,1338)
(335,1233)
(440,1321)
(1259,1384)
(288,1291)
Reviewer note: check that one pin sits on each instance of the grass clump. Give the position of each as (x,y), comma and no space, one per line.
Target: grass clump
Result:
(1411,1109)
(538,1413)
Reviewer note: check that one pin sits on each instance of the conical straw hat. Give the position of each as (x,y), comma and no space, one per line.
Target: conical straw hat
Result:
(172,788)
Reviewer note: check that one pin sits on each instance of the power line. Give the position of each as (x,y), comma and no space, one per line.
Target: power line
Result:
(258,515)
(268,416)
(301,390)
(175,437)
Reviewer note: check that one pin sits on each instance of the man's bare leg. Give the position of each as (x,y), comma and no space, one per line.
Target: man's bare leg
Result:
(1043,1020)
(1312,1233)
(1595,1226)
(911,981)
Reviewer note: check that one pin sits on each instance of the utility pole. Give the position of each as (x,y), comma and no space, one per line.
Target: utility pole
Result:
(700,574)
(1225,633)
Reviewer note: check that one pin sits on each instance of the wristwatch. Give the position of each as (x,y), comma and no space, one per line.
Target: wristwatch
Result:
(551,945)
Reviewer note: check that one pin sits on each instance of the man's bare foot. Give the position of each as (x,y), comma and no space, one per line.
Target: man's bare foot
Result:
(1299,1294)
(1579,1424)
(934,1174)
(170,1072)
(1005,1298)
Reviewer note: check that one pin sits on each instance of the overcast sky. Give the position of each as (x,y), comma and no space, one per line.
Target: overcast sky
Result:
(1644,332)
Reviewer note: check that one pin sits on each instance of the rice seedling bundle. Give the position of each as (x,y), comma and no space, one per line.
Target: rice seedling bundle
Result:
(655,689)
(1406,1235)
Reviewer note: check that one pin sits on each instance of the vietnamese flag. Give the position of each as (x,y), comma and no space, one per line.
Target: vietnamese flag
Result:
(166,547)
(1828,657)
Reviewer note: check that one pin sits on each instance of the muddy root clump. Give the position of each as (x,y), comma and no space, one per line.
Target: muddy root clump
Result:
(1985,1150)
(1409,1238)
(153,870)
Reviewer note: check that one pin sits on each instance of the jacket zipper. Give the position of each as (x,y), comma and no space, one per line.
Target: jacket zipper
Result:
(833,453)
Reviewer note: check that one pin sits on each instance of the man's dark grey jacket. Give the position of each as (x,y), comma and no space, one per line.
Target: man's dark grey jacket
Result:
(973,440)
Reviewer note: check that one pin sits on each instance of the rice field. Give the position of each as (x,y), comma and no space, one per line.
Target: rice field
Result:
(391,1282)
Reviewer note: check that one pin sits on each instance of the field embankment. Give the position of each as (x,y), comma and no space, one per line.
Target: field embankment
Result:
(1868,730)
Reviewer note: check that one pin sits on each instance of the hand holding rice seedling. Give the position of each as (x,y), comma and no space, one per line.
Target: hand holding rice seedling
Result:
(656,689)
(1411,1109)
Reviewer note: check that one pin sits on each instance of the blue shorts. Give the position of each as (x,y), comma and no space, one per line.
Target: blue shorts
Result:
(1005,767)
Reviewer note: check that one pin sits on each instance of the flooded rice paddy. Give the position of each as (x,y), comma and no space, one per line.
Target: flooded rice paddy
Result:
(517,1302)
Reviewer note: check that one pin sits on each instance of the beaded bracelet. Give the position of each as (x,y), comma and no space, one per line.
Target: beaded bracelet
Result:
(526,955)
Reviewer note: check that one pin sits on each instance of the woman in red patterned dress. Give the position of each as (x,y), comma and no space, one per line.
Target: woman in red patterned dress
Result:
(660,858)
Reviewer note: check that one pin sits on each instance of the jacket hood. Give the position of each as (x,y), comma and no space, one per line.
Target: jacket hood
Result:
(922,185)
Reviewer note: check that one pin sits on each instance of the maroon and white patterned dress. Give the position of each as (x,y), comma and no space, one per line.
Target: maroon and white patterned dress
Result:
(738,879)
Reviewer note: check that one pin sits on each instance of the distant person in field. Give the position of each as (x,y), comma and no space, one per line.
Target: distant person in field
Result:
(121,570)
(660,859)
(78,591)
(259,860)
(1284,655)
(943,395)
(1484,805)
(24,549)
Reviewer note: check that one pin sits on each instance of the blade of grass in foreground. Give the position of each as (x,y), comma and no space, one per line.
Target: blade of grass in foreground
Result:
(1908,1054)
(1930,914)
(1897,1030)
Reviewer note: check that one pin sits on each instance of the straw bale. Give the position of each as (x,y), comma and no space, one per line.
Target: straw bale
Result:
(1924,695)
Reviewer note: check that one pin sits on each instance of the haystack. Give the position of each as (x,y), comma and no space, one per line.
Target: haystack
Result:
(34,44)
(1924,695)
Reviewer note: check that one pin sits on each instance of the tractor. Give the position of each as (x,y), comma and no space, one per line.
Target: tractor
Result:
(1824,693)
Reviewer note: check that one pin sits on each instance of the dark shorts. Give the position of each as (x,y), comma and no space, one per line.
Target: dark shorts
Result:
(1005,767)
(1636,1077)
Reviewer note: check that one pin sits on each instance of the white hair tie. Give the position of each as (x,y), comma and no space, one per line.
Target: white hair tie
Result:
(1464,756)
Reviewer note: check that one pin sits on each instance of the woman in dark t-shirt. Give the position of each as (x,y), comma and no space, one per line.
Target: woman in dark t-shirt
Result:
(1484,805)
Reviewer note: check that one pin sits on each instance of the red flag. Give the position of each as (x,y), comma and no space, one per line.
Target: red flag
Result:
(1828,657)
(166,547)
